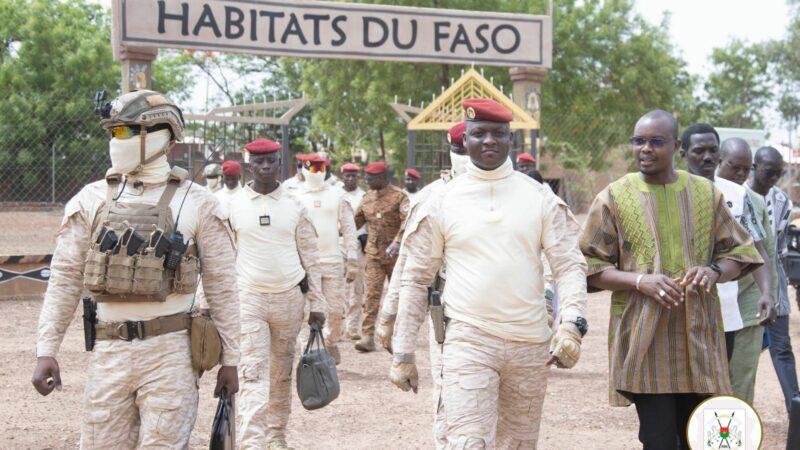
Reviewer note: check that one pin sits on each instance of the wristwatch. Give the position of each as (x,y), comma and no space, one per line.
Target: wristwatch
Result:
(715,268)
(582,325)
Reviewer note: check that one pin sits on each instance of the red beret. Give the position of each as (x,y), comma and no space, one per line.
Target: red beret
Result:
(413,173)
(486,109)
(231,168)
(350,167)
(456,134)
(376,168)
(262,145)
(310,157)
(525,158)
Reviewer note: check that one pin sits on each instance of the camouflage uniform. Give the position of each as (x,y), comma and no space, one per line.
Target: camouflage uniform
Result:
(354,292)
(383,212)
(142,392)
(389,312)
(272,305)
(493,373)
(332,217)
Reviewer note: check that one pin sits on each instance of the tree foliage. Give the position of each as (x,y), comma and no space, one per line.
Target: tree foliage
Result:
(53,56)
(739,88)
(609,66)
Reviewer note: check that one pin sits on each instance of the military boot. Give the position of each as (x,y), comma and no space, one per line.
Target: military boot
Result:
(366,344)
(277,444)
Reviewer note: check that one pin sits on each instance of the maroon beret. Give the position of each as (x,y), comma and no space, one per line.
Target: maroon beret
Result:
(376,168)
(413,173)
(350,167)
(486,109)
(231,168)
(525,158)
(262,145)
(456,134)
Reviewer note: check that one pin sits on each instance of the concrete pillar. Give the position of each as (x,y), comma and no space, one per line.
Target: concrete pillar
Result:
(137,67)
(527,89)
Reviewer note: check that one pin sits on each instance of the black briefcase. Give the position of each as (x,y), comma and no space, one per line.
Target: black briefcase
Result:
(223,432)
(317,379)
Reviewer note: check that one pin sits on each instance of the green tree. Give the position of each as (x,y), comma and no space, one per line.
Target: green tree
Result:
(609,66)
(53,56)
(739,88)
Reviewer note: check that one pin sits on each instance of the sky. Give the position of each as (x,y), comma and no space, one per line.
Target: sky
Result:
(698,26)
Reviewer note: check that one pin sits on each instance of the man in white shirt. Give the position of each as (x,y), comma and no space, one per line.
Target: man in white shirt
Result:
(213,175)
(489,228)
(386,319)
(354,291)
(332,216)
(277,258)
(231,180)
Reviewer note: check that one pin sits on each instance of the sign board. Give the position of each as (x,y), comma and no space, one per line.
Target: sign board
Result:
(315,29)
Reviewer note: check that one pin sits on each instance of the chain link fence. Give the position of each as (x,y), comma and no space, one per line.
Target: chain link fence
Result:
(47,158)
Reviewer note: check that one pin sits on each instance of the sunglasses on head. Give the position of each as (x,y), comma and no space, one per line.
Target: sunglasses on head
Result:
(315,167)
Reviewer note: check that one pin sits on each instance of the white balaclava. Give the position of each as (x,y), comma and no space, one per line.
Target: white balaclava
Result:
(314,180)
(213,183)
(458,163)
(125,155)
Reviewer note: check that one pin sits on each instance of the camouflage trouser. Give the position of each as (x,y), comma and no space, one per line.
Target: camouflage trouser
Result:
(333,281)
(270,324)
(140,394)
(376,272)
(439,423)
(492,389)
(354,298)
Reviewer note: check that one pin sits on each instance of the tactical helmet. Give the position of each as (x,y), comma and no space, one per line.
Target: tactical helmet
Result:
(145,108)
(212,170)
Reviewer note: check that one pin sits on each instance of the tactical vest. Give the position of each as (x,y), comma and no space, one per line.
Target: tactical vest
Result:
(122,273)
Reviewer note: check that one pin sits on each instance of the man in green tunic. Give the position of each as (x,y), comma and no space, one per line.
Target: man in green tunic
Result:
(661,239)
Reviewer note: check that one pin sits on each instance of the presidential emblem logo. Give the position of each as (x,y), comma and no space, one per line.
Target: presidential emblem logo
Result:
(470,113)
(724,423)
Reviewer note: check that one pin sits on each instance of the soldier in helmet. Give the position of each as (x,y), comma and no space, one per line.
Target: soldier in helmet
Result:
(136,241)
(213,175)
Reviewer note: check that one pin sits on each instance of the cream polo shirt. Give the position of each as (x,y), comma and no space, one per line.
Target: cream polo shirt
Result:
(491,229)
(324,205)
(225,195)
(265,228)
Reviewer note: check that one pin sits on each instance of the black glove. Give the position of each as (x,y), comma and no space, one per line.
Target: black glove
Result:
(362,239)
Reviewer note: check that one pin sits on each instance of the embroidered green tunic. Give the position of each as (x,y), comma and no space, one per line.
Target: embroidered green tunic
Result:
(664,229)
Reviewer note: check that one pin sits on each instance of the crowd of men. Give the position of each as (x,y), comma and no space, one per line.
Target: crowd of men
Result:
(494,241)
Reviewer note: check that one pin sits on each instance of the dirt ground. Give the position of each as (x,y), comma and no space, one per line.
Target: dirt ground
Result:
(29,232)
(370,413)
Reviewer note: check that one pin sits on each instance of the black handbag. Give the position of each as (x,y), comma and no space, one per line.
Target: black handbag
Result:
(317,379)
(223,432)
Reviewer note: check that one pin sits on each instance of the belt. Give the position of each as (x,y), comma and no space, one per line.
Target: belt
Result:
(141,329)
